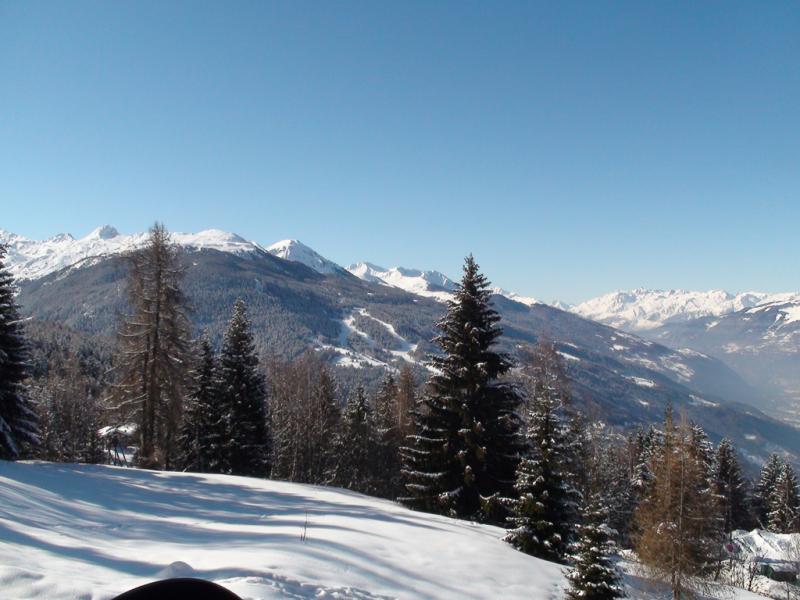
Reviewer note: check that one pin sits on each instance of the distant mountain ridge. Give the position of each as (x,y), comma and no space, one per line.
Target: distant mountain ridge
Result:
(30,259)
(643,309)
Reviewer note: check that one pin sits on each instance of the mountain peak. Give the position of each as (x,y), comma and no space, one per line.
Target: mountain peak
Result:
(105,232)
(297,251)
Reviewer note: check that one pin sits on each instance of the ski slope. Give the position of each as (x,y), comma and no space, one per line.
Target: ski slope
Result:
(91,532)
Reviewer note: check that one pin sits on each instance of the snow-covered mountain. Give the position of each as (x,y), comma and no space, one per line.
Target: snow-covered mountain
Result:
(527,300)
(296,251)
(431,284)
(31,259)
(644,309)
(762,343)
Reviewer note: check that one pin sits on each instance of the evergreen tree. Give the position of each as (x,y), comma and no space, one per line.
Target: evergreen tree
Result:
(243,392)
(467,444)
(19,430)
(594,576)
(68,419)
(389,439)
(304,419)
(92,450)
(406,400)
(710,532)
(645,445)
(730,488)
(355,446)
(326,416)
(544,509)
(784,502)
(762,495)
(202,439)
(609,477)
(546,374)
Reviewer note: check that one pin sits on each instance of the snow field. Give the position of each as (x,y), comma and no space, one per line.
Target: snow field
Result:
(91,532)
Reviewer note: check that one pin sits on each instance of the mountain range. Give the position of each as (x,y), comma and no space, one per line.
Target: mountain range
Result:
(366,319)
(757,334)
(643,309)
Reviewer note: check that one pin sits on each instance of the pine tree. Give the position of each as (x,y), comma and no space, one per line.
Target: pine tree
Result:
(645,445)
(389,439)
(325,419)
(243,393)
(19,430)
(304,418)
(69,420)
(609,476)
(762,495)
(710,531)
(730,488)
(544,509)
(203,431)
(406,400)
(355,446)
(546,374)
(784,502)
(153,349)
(593,575)
(467,444)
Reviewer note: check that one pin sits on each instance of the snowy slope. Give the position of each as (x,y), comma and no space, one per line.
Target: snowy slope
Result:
(30,259)
(297,251)
(431,284)
(527,300)
(782,550)
(76,531)
(644,309)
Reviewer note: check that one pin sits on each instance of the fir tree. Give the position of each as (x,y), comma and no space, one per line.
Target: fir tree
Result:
(730,488)
(784,502)
(609,476)
(19,430)
(304,419)
(593,575)
(645,445)
(543,511)
(406,400)
(389,438)
(355,446)
(467,445)
(762,495)
(244,395)
(710,531)
(326,415)
(202,439)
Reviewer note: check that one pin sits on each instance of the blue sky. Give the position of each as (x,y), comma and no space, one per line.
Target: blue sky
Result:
(574,148)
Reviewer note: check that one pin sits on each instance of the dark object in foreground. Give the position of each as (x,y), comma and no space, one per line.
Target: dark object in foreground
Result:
(179,589)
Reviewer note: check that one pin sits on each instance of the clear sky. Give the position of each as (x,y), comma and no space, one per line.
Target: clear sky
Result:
(574,148)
